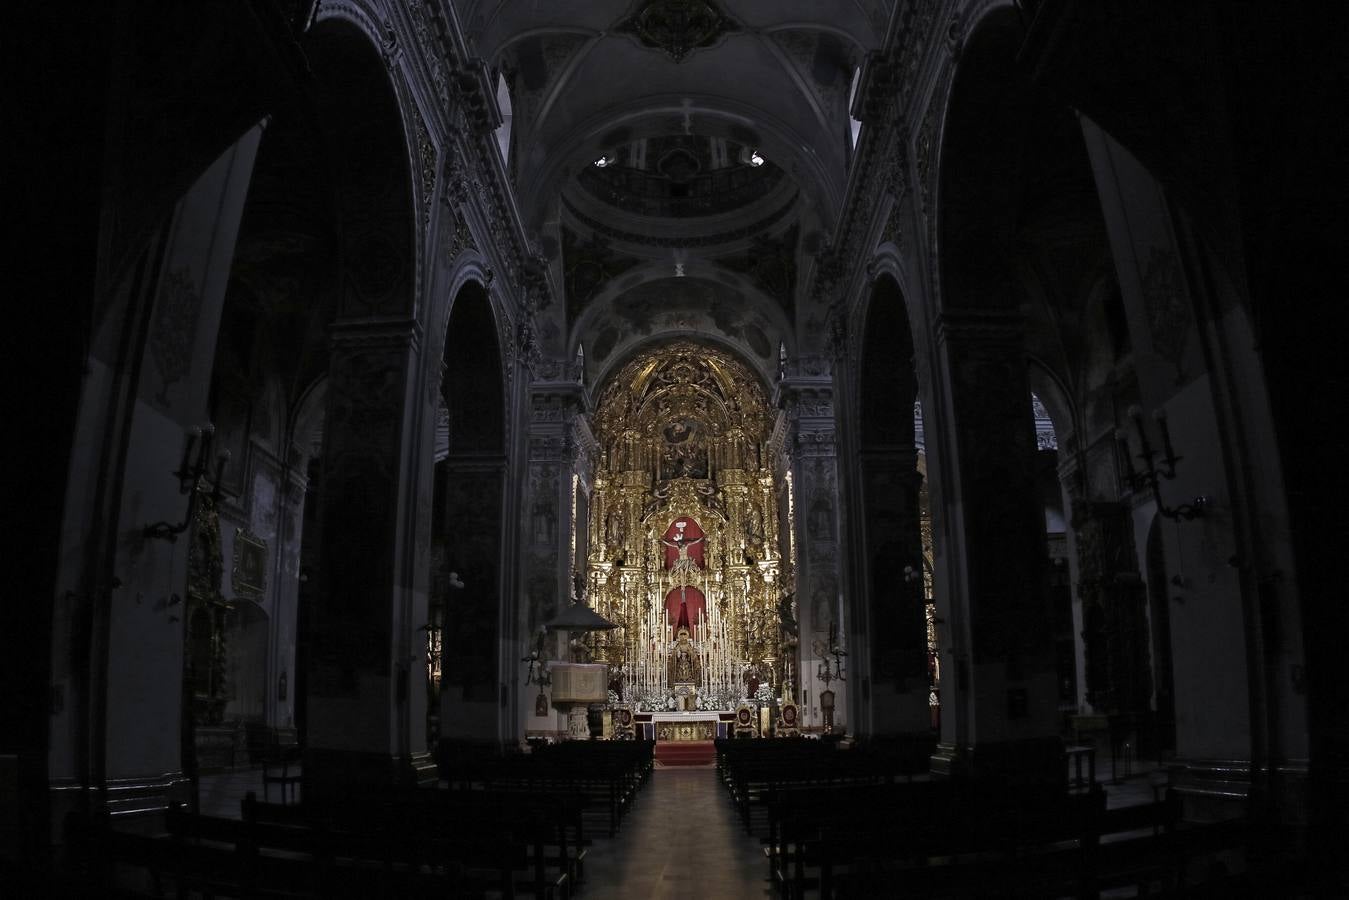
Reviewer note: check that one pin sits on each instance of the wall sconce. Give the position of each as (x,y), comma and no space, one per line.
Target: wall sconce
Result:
(1151,476)
(828,671)
(190,475)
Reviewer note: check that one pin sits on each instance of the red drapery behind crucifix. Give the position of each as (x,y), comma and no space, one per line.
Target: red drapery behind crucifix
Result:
(690,535)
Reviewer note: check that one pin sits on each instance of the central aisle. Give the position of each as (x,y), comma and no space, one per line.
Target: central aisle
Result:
(682,841)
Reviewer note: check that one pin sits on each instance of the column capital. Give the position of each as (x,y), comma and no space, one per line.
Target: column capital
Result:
(800,392)
(808,404)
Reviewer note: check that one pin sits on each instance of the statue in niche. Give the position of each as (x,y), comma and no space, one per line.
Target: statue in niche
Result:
(614,529)
(683,660)
(754,529)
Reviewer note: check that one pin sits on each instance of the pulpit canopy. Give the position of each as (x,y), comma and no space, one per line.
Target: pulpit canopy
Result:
(578,617)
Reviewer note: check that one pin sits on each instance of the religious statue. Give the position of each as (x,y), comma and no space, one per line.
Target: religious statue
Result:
(683,660)
(789,625)
(754,529)
(751,678)
(685,564)
(614,529)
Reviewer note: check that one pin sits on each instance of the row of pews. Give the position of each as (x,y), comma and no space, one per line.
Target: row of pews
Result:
(607,774)
(869,822)
(514,826)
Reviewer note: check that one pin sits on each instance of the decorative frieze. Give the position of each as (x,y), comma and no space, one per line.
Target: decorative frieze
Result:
(426,158)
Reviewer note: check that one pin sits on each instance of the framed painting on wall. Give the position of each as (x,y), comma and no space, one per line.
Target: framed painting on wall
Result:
(250,565)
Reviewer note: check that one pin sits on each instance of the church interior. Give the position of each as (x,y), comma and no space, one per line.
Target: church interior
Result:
(899,431)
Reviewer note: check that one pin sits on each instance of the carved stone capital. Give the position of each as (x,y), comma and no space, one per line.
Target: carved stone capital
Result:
(816,442)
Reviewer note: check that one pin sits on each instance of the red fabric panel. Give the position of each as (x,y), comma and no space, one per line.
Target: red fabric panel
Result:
(692,532)
(696,602)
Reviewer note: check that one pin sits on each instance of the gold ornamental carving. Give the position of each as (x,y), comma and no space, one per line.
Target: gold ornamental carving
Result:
(686,551)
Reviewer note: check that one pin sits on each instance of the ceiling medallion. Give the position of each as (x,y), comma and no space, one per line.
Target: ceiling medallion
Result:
(678,27)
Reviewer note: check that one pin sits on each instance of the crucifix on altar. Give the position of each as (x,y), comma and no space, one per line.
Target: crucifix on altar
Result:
(683,561)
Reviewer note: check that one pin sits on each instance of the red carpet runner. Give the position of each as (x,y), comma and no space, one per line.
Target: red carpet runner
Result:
(685,753)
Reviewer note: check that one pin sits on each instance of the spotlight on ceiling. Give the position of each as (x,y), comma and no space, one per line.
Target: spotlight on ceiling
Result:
(756,158)
(602,162)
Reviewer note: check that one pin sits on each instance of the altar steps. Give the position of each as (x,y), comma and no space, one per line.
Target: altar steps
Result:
(685,753)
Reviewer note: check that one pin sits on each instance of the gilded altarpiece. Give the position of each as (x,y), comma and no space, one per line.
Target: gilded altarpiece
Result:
(685,552)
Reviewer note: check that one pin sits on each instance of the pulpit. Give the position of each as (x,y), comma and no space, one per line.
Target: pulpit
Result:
(575,687)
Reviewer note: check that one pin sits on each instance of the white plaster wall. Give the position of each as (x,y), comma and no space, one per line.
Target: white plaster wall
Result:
(145,631)
(1208,633)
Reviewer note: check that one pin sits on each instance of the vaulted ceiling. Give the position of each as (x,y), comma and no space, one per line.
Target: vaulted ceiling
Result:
(678,158)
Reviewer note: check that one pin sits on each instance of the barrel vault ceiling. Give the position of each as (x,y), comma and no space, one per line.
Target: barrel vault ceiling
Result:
(680,160)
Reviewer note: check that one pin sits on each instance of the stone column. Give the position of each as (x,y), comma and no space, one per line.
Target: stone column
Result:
(809,402)
(896,625)
(365,688)
(1003,689)
(548,554)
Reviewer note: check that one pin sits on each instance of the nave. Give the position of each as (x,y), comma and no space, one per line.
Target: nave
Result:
(682,840)
(749,826)
(410,373)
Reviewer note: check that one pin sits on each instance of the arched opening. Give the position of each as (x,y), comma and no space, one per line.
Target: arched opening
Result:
(467,527)
(1000,621)
(359,622)
(897,569)
(271,350)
